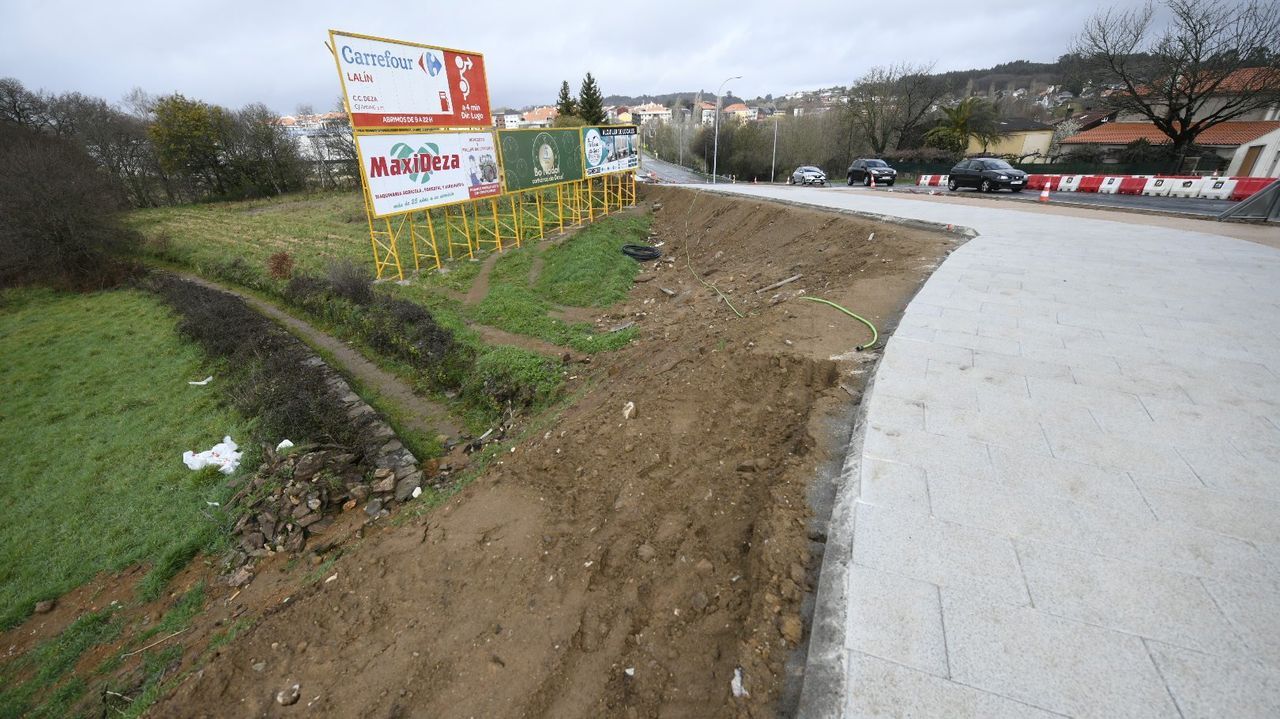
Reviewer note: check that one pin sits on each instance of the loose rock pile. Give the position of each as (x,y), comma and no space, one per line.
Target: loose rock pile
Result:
(295,495)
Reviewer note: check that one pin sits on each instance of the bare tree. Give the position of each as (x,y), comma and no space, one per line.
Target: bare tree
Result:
(888,104)
(1216,61)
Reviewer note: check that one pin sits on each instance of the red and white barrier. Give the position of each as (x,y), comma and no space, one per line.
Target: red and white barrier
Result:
(1157,186)
(1090,183)
(1186,187)
(923,180)
(1110,184)
(1070,183)
(1218,188)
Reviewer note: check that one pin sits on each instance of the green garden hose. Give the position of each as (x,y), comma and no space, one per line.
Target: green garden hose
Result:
(875,336)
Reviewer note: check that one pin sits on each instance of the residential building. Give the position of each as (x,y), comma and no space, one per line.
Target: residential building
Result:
(739,111)
(1090,119)
(706,113)
(540,116)
(1018,138)
(1241,82)
(309,131)
(650,111)
(1252,147)
(505,119)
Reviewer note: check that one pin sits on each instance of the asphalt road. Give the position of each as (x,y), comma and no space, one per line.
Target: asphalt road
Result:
(1140,203)
(669,172)
(1195,207)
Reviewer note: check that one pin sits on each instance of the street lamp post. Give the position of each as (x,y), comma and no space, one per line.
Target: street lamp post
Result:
(715,148)
(773,163)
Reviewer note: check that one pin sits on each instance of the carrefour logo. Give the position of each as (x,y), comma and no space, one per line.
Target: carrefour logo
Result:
(383,59)
(417,165)
(430,64)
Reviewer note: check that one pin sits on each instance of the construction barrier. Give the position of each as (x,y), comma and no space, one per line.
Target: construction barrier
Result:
(1090,183)
(923,180)
(1157,186)
(1110,184)
(1134,184)
(940,180)
(1186,188)
(1218,188)
(1040,182)
(1248,186)
(1069,183)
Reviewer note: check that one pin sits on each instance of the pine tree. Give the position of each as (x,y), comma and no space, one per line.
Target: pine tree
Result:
(565,104)
(590,101)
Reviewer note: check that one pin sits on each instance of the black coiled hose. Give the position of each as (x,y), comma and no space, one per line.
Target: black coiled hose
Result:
(641,253)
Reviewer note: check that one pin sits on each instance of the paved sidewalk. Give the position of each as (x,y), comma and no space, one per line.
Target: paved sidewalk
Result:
(1067,499)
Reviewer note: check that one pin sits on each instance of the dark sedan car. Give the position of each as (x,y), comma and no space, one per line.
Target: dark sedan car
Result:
(863,170)
(986,174)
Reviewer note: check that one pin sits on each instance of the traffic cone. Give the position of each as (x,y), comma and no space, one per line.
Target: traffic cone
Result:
(1044,194)
(873,180)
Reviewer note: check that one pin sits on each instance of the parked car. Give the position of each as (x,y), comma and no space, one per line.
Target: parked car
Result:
(863,170)
(808,175)
(986,174)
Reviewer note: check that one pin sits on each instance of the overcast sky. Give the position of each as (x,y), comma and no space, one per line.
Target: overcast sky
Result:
(233,53)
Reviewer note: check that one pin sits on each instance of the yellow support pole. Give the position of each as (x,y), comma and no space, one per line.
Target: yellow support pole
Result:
(429,241)
(460,225)
(385,251)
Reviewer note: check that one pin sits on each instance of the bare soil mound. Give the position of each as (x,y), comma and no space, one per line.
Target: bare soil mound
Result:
(615,562)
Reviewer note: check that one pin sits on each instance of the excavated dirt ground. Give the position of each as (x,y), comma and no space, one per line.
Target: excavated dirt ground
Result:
(605,566)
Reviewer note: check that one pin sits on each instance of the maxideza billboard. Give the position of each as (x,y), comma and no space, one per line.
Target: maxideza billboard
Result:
(408,172)
(390,84)
(609,148)
(540,158)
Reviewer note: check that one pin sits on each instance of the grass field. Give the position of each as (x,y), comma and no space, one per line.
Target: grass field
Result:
(233,242)
(96,414)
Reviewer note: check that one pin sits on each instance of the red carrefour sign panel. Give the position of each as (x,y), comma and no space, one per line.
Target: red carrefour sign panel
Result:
(390,84)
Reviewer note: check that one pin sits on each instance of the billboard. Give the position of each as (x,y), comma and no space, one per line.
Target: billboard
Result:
(610,148)
(540,158)
(417,171)
(390,84)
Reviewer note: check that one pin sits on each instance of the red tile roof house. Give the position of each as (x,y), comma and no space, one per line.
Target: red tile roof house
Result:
(1253,146)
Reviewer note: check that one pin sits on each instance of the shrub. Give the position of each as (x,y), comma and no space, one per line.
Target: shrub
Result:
(511,378)
(303,289)
(351,282)
(265,372)
(280,266)
(59,214)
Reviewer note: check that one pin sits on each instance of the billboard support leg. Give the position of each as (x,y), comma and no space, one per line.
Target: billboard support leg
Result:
(385,252)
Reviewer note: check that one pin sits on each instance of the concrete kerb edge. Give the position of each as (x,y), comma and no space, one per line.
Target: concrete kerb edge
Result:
(822,695)
(825,680)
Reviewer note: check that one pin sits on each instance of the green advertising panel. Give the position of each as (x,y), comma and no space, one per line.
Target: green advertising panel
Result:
(540,157)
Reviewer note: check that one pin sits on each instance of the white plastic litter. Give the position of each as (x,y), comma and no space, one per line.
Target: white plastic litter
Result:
(284,444)
(736,684)
(202,382)
(224,455)
(417,492)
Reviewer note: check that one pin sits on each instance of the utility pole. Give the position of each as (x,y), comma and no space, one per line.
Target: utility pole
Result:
(715,149)
(773,164)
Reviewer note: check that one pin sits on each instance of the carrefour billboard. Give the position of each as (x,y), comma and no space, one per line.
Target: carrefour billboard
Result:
(609,148)
(405,172)
(540,157)
(389,84)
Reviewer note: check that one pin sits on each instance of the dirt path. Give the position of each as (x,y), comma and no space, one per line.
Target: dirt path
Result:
(423,416)
(606,566)
(480,285)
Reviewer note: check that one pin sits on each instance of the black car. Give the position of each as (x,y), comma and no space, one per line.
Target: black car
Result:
(863,170)
(986,174)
